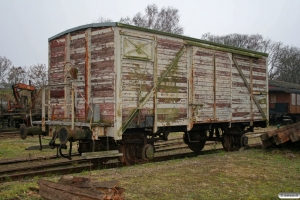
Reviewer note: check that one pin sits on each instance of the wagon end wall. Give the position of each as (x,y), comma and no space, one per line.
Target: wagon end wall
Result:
(91,53)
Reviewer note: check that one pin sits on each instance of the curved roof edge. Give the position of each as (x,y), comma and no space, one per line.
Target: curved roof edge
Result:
(117,24)
(283,84)
(93,25)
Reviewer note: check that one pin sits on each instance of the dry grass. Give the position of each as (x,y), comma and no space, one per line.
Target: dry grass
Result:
(15,148)
(250,174)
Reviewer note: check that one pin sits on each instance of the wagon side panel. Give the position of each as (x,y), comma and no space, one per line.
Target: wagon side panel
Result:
(249,89)
(154,80)
(240,94)
(223,91)
(211,85)
(57,58)
(260,88)
(102,75)
(137,62)
(172,93)
(78,52)
(203,84)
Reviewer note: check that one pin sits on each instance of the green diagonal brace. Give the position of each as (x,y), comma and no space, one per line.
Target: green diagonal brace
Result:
(144,100)
(249,89)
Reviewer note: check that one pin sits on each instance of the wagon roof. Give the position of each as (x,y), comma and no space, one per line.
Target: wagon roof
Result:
(283,84)
(190,39)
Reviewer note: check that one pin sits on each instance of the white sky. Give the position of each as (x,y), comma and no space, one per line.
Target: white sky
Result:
(27,25)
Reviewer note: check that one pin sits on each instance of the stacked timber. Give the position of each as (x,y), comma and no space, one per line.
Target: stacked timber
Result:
(289,133)
(79,188)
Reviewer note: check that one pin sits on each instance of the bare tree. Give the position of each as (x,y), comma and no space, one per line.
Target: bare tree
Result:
(283,61)
(288,68)
(102,19)
(17,75)
(253,42)
(5,65)
(126,20)
(38,74)
(166,19)
(274,59)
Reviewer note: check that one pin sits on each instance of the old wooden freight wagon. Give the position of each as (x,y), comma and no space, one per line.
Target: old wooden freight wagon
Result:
(116,86)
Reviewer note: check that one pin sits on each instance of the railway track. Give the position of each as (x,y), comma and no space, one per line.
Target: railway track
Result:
(66,167)
(8,130)
(15,161)
(161,146)
(79,164)
(9,133)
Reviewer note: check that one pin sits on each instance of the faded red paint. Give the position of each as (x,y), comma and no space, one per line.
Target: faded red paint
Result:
(219,94)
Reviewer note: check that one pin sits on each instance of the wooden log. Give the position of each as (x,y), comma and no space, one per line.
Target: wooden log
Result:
(109,195)
(79,179)
(264,136)
(106,184)
(81,192)
(287,135)
(65,179)
(76,180)
(283,137)
(276,131)
(267,142)
(295,136)
(69,187)
(120,191)
(54,194)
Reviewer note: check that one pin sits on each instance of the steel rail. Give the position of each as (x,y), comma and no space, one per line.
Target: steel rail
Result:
(94,163)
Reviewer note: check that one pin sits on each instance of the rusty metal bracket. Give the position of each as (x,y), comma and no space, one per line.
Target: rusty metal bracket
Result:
(144,100)
(249,89)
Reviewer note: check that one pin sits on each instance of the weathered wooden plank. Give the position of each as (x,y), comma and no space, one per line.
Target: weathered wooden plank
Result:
(74,191)
(283,136)
(248,86)
(53,194)
(295,136)
(150,93)
(267,142)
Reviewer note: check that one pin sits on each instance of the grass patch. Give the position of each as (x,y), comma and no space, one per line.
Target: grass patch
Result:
(250,174)
(15,148)
(18,190)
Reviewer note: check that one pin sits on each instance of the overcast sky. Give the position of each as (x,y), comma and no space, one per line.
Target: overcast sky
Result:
(27,25)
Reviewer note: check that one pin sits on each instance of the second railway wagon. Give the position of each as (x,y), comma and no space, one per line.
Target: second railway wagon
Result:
(120,87)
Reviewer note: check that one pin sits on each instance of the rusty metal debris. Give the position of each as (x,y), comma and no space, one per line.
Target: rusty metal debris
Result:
(289,133)
(69,187)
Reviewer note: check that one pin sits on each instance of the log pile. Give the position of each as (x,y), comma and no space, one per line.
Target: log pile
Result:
(79,188)
(289,133)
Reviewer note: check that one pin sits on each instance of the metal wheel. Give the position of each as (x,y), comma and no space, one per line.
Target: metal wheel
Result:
(129,154)
(195,136)
(197,146)
(134,154)
(234,139)
(147,152)
(228,142)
